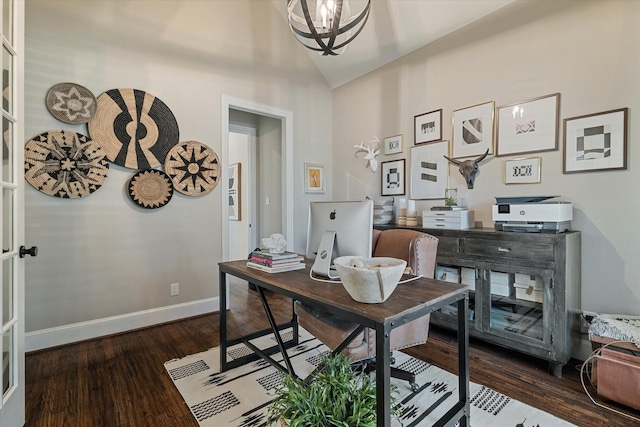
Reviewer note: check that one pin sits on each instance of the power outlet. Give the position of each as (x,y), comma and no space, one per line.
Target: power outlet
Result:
(585,320)
(175,289)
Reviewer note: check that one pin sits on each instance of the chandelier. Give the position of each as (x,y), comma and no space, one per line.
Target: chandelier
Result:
(328,27)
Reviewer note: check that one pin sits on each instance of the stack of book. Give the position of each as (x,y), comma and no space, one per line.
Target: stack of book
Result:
(275,263)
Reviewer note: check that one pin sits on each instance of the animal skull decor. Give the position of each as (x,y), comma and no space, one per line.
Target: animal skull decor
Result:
(469,168)
(372,149)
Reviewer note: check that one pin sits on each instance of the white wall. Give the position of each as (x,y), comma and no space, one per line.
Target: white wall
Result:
(102,256)
(589,51)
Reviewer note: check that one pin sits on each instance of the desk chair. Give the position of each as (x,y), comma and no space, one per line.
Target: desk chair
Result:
(419,250)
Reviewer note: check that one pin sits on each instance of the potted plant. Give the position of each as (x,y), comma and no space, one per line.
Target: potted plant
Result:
(337,396)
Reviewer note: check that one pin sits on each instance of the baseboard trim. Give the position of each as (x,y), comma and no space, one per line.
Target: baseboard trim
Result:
(66,334)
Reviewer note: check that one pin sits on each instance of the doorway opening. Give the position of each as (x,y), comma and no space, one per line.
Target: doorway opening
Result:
(267,190)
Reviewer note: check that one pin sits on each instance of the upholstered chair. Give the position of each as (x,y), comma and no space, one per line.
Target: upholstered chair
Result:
(419,250)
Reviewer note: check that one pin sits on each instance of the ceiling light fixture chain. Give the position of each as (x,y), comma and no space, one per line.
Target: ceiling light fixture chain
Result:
(331,30)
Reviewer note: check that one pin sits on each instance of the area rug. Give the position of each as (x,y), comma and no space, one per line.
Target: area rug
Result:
(240,397)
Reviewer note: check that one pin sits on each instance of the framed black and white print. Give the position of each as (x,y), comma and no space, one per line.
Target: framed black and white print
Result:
(596,142)
(522,171)
(429,170)
(427,127)
(393,178)
(393,144)
(234,192)
(472,132)
(528,126)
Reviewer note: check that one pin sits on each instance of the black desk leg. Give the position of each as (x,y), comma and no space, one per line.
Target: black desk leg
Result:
(223,321)
(383,376)
(276,332)
(463,358)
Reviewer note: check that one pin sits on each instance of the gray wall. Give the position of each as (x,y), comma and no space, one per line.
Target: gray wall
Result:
(589,51)
(102,256)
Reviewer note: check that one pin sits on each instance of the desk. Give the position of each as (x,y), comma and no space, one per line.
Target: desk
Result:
(408,302)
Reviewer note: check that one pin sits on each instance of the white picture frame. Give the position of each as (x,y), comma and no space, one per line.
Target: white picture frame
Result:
(393,145)
(313,178)
(522,171)
(472,130)
(429,170)
(235,175)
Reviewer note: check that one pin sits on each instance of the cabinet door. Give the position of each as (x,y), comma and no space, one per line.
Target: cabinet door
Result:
(518,304)
(467,274)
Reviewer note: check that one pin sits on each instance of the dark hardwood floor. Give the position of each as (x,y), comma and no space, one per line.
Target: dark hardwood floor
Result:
(121,381)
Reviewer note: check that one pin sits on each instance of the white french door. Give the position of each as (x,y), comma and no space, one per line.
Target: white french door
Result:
(12,404)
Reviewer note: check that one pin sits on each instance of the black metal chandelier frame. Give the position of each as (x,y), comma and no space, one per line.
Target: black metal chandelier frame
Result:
(329,47)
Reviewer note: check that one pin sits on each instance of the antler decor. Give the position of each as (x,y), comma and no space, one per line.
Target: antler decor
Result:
(372,149)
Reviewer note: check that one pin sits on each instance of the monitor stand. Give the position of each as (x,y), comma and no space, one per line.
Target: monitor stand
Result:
(324,256)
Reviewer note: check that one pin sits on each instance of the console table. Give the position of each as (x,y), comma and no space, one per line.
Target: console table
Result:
(525,287)
(408,302)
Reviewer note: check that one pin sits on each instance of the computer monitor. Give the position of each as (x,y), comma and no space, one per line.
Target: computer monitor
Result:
(338,229)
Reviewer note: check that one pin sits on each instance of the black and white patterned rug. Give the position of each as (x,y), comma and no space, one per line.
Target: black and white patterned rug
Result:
(240,397)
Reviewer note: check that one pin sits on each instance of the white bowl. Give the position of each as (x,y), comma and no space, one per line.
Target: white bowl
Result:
(370,280)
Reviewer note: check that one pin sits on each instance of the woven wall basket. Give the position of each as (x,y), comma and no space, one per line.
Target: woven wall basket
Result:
(71,103)
(135,129)
(65,164)
(150,189)
(193,167)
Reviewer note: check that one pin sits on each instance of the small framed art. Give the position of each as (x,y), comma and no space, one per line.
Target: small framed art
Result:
(596,142)
(429,170)
(393,178)
(313,178)
(472,130)
(528,126)
(522,171)
(393,144)
(427,127)
(234,191)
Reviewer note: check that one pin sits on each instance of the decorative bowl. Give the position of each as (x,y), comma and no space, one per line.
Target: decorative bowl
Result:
(370,280)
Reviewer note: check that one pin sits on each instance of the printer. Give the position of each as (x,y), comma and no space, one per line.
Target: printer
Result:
(532,214)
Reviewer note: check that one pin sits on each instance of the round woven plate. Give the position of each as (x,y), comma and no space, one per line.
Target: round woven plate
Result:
(134,128)
(150,189)
(65,164)
(71,103)
(193,167)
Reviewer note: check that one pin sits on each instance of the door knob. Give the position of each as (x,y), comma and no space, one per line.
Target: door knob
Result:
(33,251)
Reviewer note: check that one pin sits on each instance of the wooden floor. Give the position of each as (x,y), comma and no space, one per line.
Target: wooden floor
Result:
(121,380)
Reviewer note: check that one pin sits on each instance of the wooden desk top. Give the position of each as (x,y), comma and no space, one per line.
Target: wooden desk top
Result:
(407,302)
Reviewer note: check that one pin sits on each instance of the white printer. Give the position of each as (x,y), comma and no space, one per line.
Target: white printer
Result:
(532,214)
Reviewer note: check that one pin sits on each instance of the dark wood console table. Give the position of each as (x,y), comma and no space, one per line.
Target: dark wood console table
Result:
(408,302)
(524,287)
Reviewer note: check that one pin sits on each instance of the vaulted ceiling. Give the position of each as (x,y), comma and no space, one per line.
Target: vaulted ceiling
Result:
(395,28)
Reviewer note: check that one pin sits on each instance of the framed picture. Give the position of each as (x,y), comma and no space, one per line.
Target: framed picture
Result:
(429,170)
(393,144)
(392,181)
(427,127)
(522,171)
(596,142)
(234,191)
(528,126)
(472,130)
(313,178)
